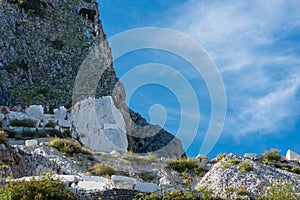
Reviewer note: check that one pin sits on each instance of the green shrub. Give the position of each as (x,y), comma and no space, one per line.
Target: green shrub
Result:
(40,134)
(3,139)
(200,170)
(58,44)
(221,156)
(225,165)
(295,170)
(50,124)
(55,133)
(233,161)
(245,166)
(10,134)
(208,194)
(280,191)
(241,191)
(150,157)
(272,155)
(27,134)
(133,157)
(66,147)
(182,165)
(37,7)
(23,123)
(147,176)
(102,169)
(43,189)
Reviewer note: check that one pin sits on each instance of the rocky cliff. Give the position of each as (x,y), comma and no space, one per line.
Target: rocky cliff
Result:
(42,47)
(54,53)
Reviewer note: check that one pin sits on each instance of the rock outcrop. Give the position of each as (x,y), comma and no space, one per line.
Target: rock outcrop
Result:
(100,125)
(226,177)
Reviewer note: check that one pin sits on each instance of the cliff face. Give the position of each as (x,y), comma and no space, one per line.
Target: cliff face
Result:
(42,46)
(46,47)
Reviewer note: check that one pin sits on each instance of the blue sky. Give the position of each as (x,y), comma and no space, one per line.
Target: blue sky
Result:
(254,44)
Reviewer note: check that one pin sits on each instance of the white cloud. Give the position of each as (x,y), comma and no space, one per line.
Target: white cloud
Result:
(249,41)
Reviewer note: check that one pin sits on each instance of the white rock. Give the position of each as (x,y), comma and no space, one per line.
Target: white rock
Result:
(60,113)
(291,155)
(90,117)
(146,187)
(35,112)
(31,143)
(66,178)
(250,155)
(95,178)
(92,185)
(123,182)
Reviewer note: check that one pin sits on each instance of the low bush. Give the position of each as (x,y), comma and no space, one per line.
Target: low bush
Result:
(295,170)
(147,176)
(102,169)
(280,191)
(67,147)
(58,44)
(10,134)
(200,170)
(182,165)
(245,166)
(27,134)
(221,156)
(208,194)
(3,139)
(50,124)
(241,191)
(272,155)
(40,134)
(142,160)
(225,165)
(43,189)
(22,123)
(233,161)
(150,157)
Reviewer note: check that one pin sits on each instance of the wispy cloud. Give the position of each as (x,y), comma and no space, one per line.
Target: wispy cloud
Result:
(255,44)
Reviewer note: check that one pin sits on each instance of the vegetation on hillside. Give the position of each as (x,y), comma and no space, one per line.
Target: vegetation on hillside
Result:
(68,147)
(46,188)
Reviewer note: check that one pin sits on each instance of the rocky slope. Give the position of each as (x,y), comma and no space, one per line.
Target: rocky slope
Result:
(54,53)
(227,177)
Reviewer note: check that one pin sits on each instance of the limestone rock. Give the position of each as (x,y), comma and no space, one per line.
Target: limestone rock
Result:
(35,112)
(250,156)
(60,113)
(146,187)
(90,117)
(92,185)
(123,182)
(31,143)
(290,155)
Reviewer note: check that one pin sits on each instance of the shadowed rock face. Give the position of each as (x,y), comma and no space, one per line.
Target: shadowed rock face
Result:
(41,55)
